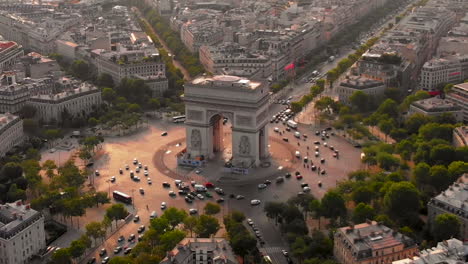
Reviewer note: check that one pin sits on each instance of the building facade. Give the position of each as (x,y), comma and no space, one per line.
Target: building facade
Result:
(452,201)
(22,233)
(460,136)
(459,96)
(201,251)
(77,102)
(371,243)
(371,87)
(11,132)
(448,251)
(10,52)
(441,71)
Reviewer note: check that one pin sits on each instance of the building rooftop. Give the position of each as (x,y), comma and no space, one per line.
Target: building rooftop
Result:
(5,120)
(436,104)
(360,82)
(227,81)
(16,216)
(456,197)
(450,251)
(6,45)
(83,88)
(367,237)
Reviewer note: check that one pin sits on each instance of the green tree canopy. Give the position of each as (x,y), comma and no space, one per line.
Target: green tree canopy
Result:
(207,226)
(402,201)
(363,212)
(446,226)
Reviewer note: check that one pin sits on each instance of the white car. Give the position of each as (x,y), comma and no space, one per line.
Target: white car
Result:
(262,186)
(276,129)
(150,181)
(146,173)
(249,221)
(193,211)
(163,205)
(201,197)
(255,202)
(135,161)
(137,169)
(177,182)
(306,189)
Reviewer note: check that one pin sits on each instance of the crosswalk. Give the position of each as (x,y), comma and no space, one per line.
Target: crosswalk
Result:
(275,254)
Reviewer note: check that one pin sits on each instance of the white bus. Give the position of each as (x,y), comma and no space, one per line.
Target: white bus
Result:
(178,119)
(292,124)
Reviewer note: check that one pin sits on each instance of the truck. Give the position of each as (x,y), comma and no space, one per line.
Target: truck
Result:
(291,124)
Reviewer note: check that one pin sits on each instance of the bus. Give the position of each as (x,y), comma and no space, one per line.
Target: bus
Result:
(178,119)
(122,197)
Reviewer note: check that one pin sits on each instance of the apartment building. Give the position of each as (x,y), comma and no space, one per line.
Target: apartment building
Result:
(371,243)
(447,251)
(11,134)
(436,106)
(10,52)
(371,87)
(440,71)
(79,101)
(459,96)
(201,251)
(452,201)
(195,34)
(460,136)
(22,233)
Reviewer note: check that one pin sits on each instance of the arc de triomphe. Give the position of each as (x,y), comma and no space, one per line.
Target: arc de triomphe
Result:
(244,102)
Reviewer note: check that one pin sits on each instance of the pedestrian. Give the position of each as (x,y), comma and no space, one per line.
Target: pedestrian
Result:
(307,165)
(147,208)
(304,165)
(298,143)
(307,147)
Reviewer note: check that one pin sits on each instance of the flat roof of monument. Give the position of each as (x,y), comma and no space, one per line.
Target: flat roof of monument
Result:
(226,81)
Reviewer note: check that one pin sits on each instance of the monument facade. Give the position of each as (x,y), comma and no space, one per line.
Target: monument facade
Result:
(244,102)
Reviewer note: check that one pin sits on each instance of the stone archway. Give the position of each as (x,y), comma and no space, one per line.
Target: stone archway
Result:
(244,102)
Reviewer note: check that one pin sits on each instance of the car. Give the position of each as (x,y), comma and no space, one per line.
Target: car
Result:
(220,200)
(319,184)
(298,173)
(112,179)
(261,186)
(163,134)
(188,200)
(153,215)
(306,159)
(189,195)
(127,251)
(317,142)
(105,260)
(232,195)
(136,218)
(219,191)
(287,175)
(200,196)
(239,197)
(209,185)
(267,182)
(335,155)
(317,132)
(255,202)
(146,173)
(140,237)
(198,171)
(304,184)
(304,135)
(102,252)
(209,195)
(145,167)
(127,167)
(285,139)
(97,173)
(149,181)
(250,222)
(136,178)
(135,161)
(322,160)
(141,229)
(306,189)
(193,194)
(117,250)
(91,260)
(332,148)
(182,192)
(137,170)
(285,253)
(299,177)
(131,238)
(323,172)
(140,165)
(288,129)
(166,185)
(193,183)
(279,179)
(276,129)
(163,205)
(172,194)
(142,191)
(313,167)
(121,239)
(193,211)
(120,171)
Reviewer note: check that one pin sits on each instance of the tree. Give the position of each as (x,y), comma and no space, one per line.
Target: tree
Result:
(61,256)
(212,208)
(393,93)
(457,169)
(402,201)
(360,101)
(80,69)
(387,161)
(174,216)
(109,95)
(27,111)
(274,210)
(30,126)
(388,107)
(49,166)
(433,130)
(386,126)
(101,198)
(77,248)
(15,194)
(190,222)
(116,212)
(446,226)
(92,121)
(421,174)
(333,205)
(362,194)
(207,225)
(296,107)
(105,80)
(415,121)
(170,239)
(442,154)
(439,178)
(362,212)
(123,260)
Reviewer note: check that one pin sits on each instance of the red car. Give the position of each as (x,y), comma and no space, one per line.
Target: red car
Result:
(209,185)
(299,177)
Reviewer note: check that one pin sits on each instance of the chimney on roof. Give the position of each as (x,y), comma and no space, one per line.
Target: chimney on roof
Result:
(28,206)
(19,203)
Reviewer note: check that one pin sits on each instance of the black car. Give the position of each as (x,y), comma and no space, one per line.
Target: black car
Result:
(121,239)
(314,167)
(188,200)
(287,175)
(220,200)
(141,229)
(102,252)
(117,250)
(267,182)
(166,185)
(280,179)
(131,237)
(298,173)
(304,184)
(91,261)
(288,129)
(127,251)
(322,160)
(182,192)
(285,139)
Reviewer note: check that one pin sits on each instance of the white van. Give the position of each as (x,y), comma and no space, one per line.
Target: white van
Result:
(153,215)
(292,124)
(298,154)
(297,134)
